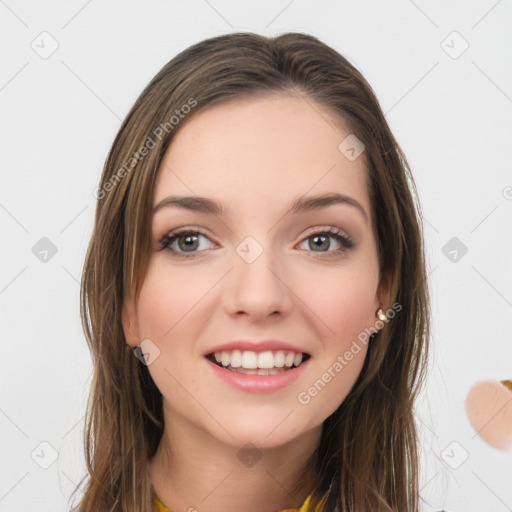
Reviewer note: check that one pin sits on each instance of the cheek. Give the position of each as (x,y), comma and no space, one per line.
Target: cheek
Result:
(342,308)
(167,315)
(341,357)
(342,301)
(331,387)
(167,300)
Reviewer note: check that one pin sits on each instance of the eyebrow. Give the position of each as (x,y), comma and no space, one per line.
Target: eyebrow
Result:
(300,205)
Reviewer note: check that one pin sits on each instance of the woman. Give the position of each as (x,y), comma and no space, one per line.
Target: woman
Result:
(254,293)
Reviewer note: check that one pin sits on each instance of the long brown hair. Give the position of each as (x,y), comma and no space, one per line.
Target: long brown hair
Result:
(367,458)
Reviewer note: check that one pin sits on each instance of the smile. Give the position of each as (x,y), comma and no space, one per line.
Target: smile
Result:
(249,362)
(258,372)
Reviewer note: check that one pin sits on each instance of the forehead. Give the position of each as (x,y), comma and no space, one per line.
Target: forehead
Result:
(261,152)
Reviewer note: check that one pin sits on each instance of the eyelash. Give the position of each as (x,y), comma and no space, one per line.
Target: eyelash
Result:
(346,241)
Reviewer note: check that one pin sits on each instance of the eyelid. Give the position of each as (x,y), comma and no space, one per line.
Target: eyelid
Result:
(165,240)
(347,241)
(332,230)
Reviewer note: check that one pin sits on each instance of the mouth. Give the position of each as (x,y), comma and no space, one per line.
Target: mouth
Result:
(263,363)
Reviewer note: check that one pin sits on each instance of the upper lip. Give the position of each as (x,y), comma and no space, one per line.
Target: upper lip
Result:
(256,346)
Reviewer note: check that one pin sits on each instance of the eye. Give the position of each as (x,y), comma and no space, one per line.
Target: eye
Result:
(320,239)
(188,241)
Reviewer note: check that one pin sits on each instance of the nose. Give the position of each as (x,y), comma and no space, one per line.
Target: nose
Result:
(257,289)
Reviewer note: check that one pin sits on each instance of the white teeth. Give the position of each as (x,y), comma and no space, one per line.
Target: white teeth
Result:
(279,359)
(249,359)
(263,360)
(288,360)
(236,359)
(259,371)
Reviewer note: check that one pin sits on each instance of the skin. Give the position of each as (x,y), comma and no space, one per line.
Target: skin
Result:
(489,409)
(254,156)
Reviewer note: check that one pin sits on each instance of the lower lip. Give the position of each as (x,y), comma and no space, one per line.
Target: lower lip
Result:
(258,383)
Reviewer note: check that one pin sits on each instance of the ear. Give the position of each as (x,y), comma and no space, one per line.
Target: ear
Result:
(130,322)
(383,296)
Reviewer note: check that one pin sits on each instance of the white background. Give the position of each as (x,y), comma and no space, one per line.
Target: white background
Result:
(59,115)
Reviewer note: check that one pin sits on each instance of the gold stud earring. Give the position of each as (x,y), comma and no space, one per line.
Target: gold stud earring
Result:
(381,315)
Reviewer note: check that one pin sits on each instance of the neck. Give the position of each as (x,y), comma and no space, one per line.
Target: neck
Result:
(191,470)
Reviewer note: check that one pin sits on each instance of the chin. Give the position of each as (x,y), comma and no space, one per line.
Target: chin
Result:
(262,433)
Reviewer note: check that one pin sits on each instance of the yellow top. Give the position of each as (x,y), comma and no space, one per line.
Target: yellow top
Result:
(159,505)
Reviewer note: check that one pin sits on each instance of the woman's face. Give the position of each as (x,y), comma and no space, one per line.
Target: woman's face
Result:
(258,270)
